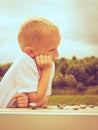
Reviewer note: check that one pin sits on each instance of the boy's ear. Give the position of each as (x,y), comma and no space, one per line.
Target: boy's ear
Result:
(29,51)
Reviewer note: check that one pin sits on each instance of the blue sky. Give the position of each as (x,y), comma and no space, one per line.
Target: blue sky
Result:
(77,20)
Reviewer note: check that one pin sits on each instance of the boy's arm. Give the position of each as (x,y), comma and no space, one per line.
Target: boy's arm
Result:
(45,64)
(21,100)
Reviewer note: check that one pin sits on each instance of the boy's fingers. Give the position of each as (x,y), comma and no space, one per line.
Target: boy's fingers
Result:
(49,58)
(22,104)
(43,59)
(17,95)
(21,98)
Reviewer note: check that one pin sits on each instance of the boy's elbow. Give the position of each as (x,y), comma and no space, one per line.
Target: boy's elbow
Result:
(39,100)
(43,101)
(34,98)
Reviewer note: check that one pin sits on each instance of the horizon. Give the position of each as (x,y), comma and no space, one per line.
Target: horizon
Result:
(11,61)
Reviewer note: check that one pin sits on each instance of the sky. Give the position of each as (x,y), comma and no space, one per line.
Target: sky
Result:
(76,19)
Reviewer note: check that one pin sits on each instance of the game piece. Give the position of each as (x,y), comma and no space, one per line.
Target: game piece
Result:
(60,106)
(82,106)
(91,106)
(75,107)
(33,105)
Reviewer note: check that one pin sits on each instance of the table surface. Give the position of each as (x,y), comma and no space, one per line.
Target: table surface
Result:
(51,118)
(67,110)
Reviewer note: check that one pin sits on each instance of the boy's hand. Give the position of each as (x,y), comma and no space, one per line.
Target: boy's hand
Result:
(44,62)
(22,100)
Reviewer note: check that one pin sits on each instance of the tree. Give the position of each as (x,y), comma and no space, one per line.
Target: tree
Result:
(80,86)
(59,81)
(4,68)
(70,80)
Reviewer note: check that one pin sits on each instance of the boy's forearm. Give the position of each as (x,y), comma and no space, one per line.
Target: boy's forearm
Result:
(43,84)
(42,87)
(44,63)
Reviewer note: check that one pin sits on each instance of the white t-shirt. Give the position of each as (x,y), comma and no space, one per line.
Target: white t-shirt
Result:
(22,76)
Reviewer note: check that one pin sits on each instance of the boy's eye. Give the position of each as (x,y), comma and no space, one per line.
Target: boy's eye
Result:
(51,50)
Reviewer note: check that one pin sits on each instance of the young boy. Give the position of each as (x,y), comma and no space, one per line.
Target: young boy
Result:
(29,79)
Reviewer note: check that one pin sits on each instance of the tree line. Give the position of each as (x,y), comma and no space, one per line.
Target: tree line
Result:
(76,73)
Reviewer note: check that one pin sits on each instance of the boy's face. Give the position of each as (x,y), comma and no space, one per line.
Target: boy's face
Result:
(49,48)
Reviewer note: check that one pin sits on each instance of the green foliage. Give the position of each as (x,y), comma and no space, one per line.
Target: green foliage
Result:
(59,80)
(70,80)
(92,90)
(76,73)
(4,68)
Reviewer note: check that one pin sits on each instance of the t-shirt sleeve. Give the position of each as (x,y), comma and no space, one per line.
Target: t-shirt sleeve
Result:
(27,77)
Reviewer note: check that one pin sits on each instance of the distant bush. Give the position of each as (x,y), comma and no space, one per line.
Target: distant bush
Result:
(92,90)
(4,68)
(0,78)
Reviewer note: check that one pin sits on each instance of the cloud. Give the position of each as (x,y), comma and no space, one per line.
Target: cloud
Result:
(13,13)
(81,19)
(30,7)
(80,49)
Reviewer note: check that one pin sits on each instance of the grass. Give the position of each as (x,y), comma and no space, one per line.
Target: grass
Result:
(73,99)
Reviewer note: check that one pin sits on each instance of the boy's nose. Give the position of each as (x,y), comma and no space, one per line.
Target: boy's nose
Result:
(56,53)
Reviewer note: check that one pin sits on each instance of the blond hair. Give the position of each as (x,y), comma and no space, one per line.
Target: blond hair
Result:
(34,30)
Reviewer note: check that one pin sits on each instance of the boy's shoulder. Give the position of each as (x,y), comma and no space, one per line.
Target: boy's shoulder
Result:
(24,60)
